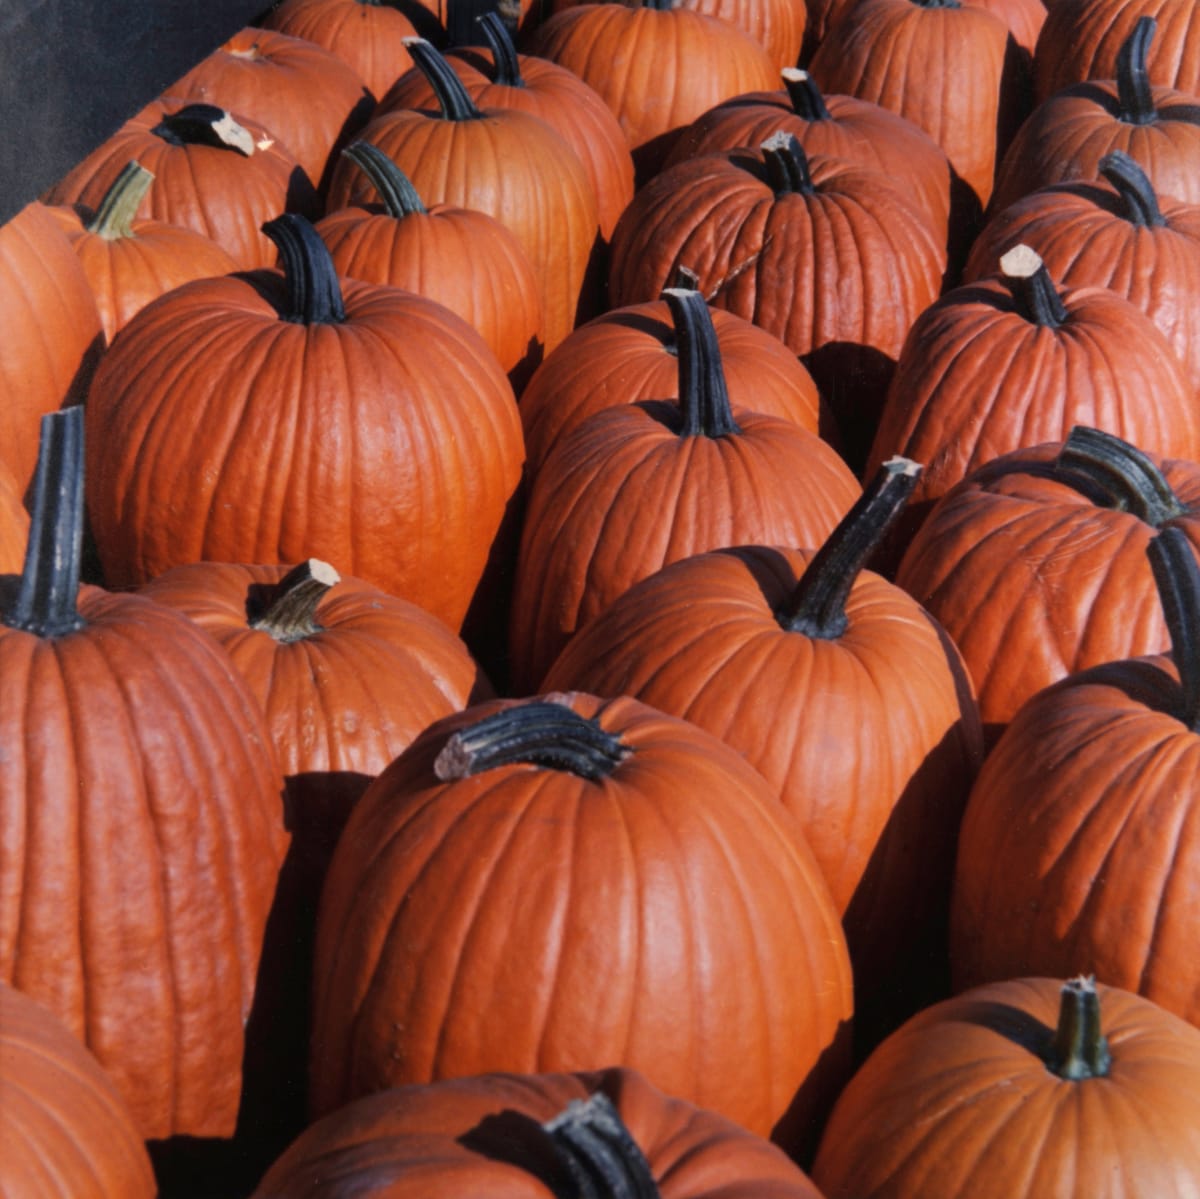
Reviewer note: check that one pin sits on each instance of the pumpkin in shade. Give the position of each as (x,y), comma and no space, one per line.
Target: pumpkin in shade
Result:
(1035,563)
(502,161)
(1027,1089)
(52,333)
(458,257)
(567,882)
(535,1136)
(129,262)
(658,66)
(219,174)
(143,822)
(67,1133)
(301,414)
(1080,841)
(1122,236)
(1068,134)
(637,486)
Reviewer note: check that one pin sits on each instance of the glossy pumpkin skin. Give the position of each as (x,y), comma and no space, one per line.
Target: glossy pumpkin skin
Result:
(67,1132)
(434,1141)
(627,356)
(52,333)
(363,468)
(217,190)
(1034,581)
(151,832)
(525,919)
(960,1103)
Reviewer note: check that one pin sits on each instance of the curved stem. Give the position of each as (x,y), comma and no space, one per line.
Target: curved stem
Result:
(114,218)
(1118,475)
(1177,576)
(291,614)
(453,101)
(314,290)
(1134,187)
(504,53)
(1135,95)
(395,188)
(818,605)
(685,279)
(599,1152)
(540,733)
(1079,1049)
(806,99)
(46,598)
(205,125)
(703,396)
(1033,289)
(787,165)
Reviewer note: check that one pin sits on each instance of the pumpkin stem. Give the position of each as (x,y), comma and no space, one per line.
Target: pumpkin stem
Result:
(507,66)
(805,96)
(1134,187)
(453,101)
(818,605)
(599,1152)
(1032,287)
(937,3)
(1124,478)
(540,733)
(703,396)
(114,218)
(395,188)
(291,614)
(1177,576)
(1079,1049)
(314,290)
(659,5)
(46,598)
(787,165)
(1135,96)
(685,279)
(205,125)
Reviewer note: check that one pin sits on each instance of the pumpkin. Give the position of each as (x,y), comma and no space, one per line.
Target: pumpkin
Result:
(532,1135)
(219,174)
(1025,1089)
(299,414)
(14,523)
(568,882)
(129,262)
(635,487)
(143,822)
(67,1132)
(1079,838)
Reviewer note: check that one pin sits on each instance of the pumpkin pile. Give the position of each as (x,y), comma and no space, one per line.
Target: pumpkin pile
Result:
(612,611)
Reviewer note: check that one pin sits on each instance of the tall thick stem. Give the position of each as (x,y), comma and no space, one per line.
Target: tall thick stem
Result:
(1079,1049)
(314,290)
(805,96)
(504,53)
(703,396)
(452,98)
(395,188)
(1037,298)
(46,599)
(1177,577)
(1138,199)
(1135,94)
(787,165)
(599,1152)
(114,217)
(818,605)
(291,614)
(1118,475)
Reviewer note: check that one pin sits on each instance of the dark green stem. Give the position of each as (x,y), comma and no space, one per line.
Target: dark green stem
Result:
(507,66)
(46,598)
(205,125)
(703,396)
(659,5)
(818,605)
(314,290)
(806,99)
(1037,298)
(1118,475)
(453,101)
(1135,95)
(1079,1049)
(787,165)
(395,188)
(291,614)
(1177,576)
(114,218)
(937,3)
(541,733)
(599,1152)
(1134,187)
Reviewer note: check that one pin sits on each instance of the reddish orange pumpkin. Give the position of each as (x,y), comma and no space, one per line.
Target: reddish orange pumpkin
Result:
(14,523)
